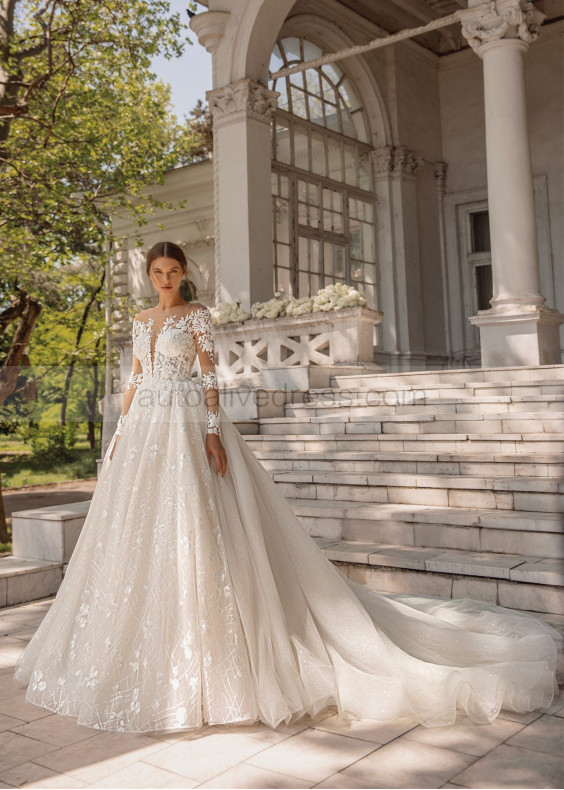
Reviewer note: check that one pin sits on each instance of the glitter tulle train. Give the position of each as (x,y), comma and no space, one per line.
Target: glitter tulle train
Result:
(192,598)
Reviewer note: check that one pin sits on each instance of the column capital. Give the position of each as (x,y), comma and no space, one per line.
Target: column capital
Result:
(242,99)
(487,24)
(395,160)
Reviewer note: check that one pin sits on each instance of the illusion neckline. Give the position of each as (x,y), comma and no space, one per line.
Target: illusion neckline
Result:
(150,321)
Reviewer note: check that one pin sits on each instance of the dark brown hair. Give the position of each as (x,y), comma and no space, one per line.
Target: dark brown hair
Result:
(168,249)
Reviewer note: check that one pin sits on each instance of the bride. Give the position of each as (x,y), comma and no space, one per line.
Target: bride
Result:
(195,596)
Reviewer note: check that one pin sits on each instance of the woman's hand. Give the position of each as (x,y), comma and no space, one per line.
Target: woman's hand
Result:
(215,448)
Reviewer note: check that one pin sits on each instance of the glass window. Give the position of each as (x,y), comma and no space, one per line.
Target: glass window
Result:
(480,231)
(322,193)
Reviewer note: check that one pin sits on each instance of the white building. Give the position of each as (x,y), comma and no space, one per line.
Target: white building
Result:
(428,171)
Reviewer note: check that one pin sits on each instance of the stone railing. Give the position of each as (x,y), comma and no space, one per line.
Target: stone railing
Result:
(264,351)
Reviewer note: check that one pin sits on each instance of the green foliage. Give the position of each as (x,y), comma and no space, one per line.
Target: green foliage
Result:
(95,128)
(85,128)
(51,443)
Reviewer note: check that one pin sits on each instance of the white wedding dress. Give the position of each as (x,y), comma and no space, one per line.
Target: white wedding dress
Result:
(193,598)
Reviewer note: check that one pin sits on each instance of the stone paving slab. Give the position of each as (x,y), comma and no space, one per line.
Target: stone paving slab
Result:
(40,749)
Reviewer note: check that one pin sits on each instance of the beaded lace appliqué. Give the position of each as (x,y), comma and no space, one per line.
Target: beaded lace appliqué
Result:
(174,351)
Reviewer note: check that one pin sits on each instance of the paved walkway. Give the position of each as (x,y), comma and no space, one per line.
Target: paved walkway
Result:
(44,750)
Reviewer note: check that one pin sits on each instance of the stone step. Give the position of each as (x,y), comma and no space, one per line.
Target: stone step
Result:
(399,393)
(511,464)
(496,493)
(358,436)
(514,581)
(499,375)
(353,420)
(375,404)
(27,579)
(531,533)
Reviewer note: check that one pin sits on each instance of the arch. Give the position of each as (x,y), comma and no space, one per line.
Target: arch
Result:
(329,37)
(255,37)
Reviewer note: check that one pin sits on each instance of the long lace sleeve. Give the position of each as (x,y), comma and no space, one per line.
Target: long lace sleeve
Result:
(135,379)
(202,330)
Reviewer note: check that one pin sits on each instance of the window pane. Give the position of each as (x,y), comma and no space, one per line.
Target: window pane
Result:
(283,255)
(297,79)
(281,228)
(355,241)
(283,280)
(335,166)
(301,158)
(349,95)
(314,255)
(298,102)
(368,242)
(315,110)
(480,232)
(311,51)
(282,144)
(276,61)
(347,125)
(283,98)
(292,48)
(350,165)
(484,286)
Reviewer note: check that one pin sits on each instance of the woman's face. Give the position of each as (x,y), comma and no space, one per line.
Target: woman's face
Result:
(166,274)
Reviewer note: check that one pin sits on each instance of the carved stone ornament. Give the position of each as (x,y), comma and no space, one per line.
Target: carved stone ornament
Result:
(440,170)
(399,161)
(501,19)
(242,99)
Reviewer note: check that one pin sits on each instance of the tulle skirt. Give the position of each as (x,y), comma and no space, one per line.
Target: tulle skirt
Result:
(193,598)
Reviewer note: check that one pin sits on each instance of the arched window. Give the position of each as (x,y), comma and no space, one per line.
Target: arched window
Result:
(321,178)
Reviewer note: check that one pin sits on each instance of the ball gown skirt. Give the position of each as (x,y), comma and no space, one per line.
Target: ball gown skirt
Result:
(193,598)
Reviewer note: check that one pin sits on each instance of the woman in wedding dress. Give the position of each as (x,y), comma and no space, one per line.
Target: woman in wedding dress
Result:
(195,596)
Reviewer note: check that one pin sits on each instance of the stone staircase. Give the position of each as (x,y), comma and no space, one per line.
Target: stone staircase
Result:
(447,483)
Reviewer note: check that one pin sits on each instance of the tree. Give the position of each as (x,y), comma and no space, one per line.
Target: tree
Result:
(84,127)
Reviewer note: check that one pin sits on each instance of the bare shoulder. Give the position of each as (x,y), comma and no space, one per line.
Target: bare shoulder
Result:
(143,315)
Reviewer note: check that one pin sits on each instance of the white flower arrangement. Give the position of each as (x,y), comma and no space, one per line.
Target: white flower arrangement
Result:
(273,308)
(333,297)
(228,312)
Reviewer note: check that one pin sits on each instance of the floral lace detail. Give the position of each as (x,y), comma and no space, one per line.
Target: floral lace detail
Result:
(202,326)
(120,423)
(209,381)
(213,422)
(135,380)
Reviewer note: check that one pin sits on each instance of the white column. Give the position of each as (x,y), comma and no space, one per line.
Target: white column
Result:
(398,252)
(242,115)
(518,329)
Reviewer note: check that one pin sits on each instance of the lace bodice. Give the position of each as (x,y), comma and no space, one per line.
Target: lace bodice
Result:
(170,352)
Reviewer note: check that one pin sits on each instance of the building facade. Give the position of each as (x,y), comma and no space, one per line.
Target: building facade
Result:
(425,168)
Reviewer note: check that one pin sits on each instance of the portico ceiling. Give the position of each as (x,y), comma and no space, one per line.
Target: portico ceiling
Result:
(391,16)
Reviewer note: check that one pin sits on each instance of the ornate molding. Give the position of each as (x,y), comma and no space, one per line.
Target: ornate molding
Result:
(497,20)
(440,170)
(242,99)
(210,26)
(397,160)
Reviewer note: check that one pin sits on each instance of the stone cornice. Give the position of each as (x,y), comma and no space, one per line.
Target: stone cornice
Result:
(486,25)
(242,99)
